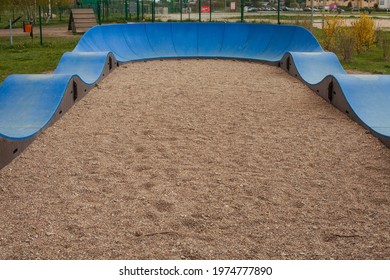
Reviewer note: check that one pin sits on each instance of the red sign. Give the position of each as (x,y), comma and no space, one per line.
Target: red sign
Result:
(205,9)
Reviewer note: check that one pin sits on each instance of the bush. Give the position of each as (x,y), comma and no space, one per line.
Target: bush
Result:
(345,43)
(364,32)
(331,28)
(345,40)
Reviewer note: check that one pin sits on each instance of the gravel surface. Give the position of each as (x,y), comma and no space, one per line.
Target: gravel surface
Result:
(198,159)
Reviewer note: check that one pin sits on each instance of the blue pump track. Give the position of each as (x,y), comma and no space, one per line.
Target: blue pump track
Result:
(30,103)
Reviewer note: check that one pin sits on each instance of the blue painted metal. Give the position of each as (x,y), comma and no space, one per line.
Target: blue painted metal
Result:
(210,39)
(131,42)
(185,39)
(368,96)
(137,40)
(29,102)
(162,46)
(89,66)
(313,67)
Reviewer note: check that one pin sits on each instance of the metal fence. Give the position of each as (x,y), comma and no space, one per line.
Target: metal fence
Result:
(174,10)
(121,11)
(196,10)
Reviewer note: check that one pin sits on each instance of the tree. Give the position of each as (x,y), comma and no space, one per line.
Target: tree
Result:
(27,8)
(5,3)
(3,6)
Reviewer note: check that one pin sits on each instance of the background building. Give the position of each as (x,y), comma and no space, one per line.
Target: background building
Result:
(384,4)
(344,3)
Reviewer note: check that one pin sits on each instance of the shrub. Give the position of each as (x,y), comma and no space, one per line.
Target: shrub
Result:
(345,43)
(364,32)
(345,40)
(331,27)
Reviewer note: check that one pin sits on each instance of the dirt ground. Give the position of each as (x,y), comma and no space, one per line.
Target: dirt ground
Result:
(198,159)
(47,31)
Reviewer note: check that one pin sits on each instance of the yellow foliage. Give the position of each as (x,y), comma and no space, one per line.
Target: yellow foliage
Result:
(345,40)
(331,27)
(364,32)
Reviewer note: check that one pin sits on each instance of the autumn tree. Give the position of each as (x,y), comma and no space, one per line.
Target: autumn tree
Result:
(28,8)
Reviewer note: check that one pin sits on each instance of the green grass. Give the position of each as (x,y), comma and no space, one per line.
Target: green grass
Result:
(28,57)
(371,61)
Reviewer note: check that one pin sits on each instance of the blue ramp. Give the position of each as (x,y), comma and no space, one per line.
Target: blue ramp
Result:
(368,97)
(38,97)
(29,103)
(89,66)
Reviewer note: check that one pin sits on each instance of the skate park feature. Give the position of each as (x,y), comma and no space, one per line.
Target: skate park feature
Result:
(30,103)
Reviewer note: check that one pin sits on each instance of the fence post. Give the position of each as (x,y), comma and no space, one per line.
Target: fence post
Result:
(278,11)
(153,10)
(126,10)
(40,26)
(210,10)
(189,12)
(181,10)
(200,15)
(99,13)
(142,10)
(312,13)
(137,10)
(242,10)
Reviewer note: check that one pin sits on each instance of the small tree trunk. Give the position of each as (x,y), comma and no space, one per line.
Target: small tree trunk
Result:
(50,11)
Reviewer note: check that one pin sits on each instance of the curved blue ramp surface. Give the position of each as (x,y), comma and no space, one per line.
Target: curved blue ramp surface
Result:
(365,98)
(37,99)
(313,67)
(88,66)
(29,103)
(368,97)
(131,42)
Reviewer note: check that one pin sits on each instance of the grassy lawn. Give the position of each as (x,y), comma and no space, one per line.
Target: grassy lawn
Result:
(371,61)
(28,57)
